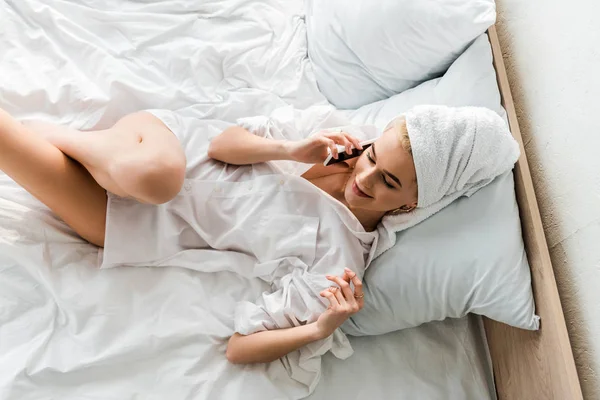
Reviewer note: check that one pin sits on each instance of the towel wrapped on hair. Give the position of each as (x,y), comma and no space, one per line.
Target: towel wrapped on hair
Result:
(456,152)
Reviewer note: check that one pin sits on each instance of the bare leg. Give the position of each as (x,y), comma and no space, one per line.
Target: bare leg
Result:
(69,170)
(138,157)
(56,180)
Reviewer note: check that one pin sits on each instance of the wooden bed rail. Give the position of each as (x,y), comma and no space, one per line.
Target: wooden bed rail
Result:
(531,365)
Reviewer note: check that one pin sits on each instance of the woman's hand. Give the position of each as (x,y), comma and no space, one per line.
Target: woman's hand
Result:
(343,302)
(267,346)
(313,150)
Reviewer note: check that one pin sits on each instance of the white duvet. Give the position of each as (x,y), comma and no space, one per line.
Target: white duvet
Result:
(69,330)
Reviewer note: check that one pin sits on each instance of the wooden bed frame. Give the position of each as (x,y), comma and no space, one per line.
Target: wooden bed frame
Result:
(531,365)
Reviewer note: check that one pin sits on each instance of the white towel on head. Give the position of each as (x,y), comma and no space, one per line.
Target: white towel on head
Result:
(456,152)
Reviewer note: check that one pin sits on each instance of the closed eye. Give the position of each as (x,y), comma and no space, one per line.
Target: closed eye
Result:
(382,175)
(387,183)
(370,158)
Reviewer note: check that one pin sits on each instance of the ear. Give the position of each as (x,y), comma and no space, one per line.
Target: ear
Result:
(409,207)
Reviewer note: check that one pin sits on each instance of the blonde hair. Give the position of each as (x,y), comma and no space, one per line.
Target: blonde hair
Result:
(399,124)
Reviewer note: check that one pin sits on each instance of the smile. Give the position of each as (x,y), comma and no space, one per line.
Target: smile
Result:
(359,192)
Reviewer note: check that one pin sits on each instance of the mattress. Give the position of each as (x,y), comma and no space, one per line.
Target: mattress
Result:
(71,331)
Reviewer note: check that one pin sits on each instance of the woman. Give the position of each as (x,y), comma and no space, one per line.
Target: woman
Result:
(140,158)
(324,216)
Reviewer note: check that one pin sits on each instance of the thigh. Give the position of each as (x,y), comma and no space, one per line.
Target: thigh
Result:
(56,180)
(139,157)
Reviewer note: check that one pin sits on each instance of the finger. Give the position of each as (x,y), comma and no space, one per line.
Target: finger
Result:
(344,286)
(329,298)
(333,301)
(351,301)
(348,275)
(345,142)
(358,286)
(332,147)
(355,142)
(340,138)
(338,295)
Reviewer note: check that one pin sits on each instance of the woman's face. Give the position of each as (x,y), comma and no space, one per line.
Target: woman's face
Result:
(384,177)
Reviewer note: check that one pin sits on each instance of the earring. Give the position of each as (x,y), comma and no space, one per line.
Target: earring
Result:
(401,210)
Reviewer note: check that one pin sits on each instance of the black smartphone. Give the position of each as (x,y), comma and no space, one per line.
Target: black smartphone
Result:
(343,156)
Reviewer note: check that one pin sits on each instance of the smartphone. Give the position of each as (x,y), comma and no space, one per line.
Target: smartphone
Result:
(343,156)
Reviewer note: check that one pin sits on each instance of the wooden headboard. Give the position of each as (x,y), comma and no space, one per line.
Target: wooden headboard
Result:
(531,365)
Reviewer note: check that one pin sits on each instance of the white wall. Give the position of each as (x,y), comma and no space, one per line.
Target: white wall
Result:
(552,52)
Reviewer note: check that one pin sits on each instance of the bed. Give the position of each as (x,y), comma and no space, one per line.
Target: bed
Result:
(70,331)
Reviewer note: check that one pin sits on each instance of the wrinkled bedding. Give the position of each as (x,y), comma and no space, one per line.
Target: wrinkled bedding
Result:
(69,330)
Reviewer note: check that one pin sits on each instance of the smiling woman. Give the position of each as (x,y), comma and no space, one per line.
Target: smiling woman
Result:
(203,206)
(384,176)
(453,150)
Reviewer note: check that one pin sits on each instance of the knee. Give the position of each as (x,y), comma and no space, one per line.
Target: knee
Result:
(161,181)
(156,180)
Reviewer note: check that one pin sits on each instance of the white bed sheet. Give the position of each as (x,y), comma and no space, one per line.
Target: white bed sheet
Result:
(70,331)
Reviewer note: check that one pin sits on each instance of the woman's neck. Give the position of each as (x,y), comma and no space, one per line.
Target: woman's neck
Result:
(369,219)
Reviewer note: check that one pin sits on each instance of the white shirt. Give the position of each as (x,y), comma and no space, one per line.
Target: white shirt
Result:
(262,220)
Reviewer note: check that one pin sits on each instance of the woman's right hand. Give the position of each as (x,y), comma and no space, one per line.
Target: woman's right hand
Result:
(343,302)
(313,149)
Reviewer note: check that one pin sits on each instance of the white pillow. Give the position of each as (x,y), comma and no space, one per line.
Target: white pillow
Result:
(470,81)
(363,51)
(470,256)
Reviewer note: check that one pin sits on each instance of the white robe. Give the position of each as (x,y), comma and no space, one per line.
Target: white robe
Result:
(260,221)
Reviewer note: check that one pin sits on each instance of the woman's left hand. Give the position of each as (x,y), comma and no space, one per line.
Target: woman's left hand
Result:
(313,149)
(343,302)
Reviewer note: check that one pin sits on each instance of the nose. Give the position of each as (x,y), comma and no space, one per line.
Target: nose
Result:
(367,177)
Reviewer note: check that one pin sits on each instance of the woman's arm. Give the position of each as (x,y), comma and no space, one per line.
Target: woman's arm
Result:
(267,346)
(238,146)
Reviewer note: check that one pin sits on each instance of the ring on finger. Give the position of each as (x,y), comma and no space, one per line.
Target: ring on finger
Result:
(360,296)
(333,289)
